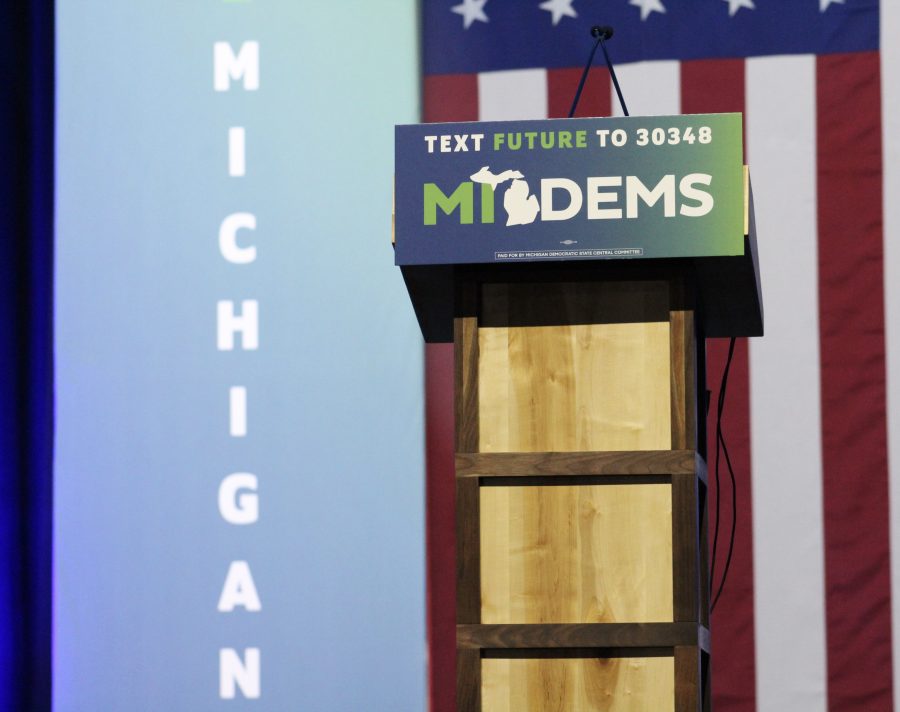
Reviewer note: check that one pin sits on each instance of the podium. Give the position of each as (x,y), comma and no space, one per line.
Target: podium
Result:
(580,402)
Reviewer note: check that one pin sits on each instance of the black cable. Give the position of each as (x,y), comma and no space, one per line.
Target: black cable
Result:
(601,33)
(587,68)
(612,71)
(733,526)
(715,546)
(720,443)
(720,405)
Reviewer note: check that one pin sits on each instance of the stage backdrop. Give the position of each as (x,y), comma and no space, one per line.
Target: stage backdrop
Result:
(239,457)
(808,619)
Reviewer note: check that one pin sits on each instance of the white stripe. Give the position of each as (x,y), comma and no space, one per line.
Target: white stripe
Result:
(785,404)
(649,88)
(510,95)
(890,97)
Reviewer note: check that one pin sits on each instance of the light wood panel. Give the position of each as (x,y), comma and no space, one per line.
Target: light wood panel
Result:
(576,554)
(568,384)
(570,381)
(578,685)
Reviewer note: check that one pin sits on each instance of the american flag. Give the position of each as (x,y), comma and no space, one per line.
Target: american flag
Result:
(813,412)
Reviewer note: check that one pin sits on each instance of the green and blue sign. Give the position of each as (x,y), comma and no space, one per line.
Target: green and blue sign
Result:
(600,188)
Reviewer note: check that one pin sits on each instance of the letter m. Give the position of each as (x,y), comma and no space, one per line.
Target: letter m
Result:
(463,198)
(635,189)
(227,66)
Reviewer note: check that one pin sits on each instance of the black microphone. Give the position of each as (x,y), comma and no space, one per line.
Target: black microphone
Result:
(601,32)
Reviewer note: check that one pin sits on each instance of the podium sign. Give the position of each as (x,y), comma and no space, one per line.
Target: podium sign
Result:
(570,189)
(578,267)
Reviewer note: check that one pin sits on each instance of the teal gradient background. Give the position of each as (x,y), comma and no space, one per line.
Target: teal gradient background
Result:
(334,390)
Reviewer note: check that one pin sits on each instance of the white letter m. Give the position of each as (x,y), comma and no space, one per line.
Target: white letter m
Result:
(227,66)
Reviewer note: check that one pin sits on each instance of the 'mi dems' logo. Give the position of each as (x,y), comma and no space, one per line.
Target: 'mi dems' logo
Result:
(601,198)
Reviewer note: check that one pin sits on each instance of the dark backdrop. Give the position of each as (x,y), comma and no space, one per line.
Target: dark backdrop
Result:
(26,365)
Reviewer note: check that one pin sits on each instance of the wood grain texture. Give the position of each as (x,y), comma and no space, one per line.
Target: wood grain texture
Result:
(582,635)
(465,340)
(640,462)
(578,512)
(683,380)
(686,548)
(579,382)
(576,554)
(578,685)
(468,681)
(468,552)
(687,679)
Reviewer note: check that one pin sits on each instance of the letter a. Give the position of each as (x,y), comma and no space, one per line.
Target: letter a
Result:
(239,589)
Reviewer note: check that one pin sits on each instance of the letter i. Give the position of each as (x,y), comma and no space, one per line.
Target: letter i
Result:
(487,203)
(237,164)
(237,410)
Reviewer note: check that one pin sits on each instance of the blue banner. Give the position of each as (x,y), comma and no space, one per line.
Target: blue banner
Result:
(239,456)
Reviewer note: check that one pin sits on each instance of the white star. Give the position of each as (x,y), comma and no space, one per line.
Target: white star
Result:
(823,4)
(471,10)
(735,5)
(648,6)
(559,8)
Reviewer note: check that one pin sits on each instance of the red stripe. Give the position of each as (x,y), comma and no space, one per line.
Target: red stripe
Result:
(562,85)
(445,98)
(710,86)
(450,97)
(440,542)
(854,433)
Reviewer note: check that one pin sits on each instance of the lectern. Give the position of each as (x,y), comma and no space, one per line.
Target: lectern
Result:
(577,266)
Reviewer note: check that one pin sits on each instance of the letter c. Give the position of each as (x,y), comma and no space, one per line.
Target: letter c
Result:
(228,246)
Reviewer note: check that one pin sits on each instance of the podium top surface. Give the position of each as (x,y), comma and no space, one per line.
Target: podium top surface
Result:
(660,191)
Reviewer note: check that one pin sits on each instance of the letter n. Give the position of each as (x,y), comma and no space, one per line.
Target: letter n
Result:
(236,673)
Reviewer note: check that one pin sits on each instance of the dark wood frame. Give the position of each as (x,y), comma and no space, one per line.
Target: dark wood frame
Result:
(687,638)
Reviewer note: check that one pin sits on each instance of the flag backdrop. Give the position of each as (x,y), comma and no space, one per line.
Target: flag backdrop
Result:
(813,412)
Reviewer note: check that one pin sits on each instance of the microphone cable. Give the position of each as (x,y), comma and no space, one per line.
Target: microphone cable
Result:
(601,32)
(721,447)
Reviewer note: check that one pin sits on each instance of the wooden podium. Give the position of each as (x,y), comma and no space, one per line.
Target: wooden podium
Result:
(581,525)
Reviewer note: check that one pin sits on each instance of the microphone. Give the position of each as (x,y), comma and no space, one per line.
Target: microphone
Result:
(604,31)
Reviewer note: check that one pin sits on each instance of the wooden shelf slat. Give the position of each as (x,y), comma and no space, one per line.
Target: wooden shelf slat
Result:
(623,462)
(582,635)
